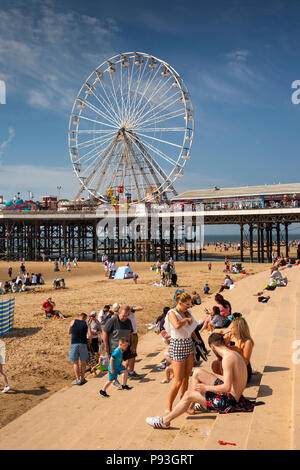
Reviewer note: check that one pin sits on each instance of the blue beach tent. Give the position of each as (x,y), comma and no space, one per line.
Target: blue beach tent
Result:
(123,272)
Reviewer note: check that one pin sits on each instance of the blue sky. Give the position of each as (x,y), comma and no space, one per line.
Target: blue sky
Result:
(238,60)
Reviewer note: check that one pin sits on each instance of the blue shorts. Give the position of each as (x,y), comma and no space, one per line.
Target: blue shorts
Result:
(78,351)
(115,375)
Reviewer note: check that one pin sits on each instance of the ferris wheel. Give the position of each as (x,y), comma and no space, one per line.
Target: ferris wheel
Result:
(131,130)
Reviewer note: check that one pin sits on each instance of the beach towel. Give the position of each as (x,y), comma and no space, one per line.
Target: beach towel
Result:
(243,405)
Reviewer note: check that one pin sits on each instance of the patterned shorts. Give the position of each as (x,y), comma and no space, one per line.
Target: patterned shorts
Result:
(219,401)
(180,349)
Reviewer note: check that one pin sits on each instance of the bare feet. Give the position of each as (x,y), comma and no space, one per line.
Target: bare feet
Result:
(191,409)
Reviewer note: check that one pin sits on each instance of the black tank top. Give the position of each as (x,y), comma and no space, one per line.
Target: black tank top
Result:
(79,332)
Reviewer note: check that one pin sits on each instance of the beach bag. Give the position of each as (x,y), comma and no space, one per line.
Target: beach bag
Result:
(263,299)
(197,301)
(226,323)
(271,287)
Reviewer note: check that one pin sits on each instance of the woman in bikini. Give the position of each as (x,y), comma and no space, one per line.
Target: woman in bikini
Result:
(239,339)
(180,324)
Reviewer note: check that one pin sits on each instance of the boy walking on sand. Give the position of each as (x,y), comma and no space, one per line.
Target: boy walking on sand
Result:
(115,368)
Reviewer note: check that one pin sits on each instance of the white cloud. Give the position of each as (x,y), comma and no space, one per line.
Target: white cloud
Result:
(4,144)
(47,57)
(40,180)
(238,55)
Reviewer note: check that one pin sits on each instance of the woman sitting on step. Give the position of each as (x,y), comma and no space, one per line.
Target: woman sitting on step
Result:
(238,339)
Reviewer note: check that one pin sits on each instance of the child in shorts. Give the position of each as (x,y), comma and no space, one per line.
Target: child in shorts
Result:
(101,365)
(206,289)
(116,368)
(213,319)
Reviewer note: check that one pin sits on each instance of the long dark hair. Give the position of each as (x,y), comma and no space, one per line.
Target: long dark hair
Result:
(220,299)
(165,311)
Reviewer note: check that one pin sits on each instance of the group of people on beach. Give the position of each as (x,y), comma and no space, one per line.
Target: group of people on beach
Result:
(22,282)
(105,340)
(66,262)
(166,272)
(218,389)
(112,335)
(110,267)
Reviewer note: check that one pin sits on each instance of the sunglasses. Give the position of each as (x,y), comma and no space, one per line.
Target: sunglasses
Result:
(186,305)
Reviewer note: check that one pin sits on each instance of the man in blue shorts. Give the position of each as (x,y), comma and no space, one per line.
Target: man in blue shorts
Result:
(81,335)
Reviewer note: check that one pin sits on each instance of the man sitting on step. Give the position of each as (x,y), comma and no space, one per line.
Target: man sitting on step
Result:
(211,392)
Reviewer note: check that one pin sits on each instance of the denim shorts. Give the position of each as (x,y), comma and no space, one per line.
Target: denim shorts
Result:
(78,351)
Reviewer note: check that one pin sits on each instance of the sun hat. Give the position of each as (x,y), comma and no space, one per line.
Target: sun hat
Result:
(116,307)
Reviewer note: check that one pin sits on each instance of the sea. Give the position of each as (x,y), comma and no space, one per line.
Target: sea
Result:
(235,238)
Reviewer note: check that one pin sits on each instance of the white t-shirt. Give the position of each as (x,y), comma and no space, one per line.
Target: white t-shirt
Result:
(102,316)
(94,326)
(133,321)
(180,333)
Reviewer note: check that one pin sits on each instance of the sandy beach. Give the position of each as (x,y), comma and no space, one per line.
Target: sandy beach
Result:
(37,348)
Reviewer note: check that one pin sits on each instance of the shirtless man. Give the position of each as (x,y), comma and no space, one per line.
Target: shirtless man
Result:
(210,391)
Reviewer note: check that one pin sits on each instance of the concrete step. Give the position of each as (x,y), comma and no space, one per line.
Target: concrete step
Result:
(72,405)
(235,427)
(295,429)
(275,389)
(152,404)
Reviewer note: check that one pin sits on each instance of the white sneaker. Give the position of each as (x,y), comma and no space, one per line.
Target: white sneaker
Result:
(6,389)
(157,422)
(117,384)
(199,407)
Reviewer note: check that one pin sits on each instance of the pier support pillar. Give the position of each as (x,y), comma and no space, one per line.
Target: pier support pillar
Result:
(242,242)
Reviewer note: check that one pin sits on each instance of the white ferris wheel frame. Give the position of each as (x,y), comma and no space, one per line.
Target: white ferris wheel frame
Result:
(112,121)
